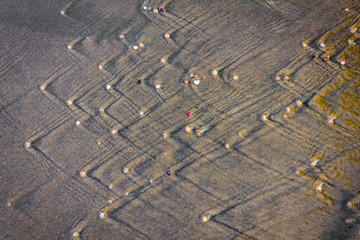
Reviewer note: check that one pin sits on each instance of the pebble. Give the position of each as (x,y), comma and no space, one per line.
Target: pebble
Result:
(319,187)
(113,131)
(188,129)
(330,120)
(205,219)
(27,144)
(314,162)
(228,146)
(299,103)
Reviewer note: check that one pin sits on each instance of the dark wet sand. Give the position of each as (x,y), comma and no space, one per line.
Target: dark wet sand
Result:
(189,120)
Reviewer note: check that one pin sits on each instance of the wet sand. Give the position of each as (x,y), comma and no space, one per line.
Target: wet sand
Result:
(179,119)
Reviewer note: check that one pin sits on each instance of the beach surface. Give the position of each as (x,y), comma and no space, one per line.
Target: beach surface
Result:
(179,119)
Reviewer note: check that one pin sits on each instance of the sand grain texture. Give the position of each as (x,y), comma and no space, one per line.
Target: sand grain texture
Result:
(179,119)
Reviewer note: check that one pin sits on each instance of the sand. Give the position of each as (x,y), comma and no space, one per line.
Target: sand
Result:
(179,119)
